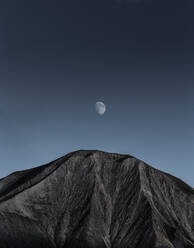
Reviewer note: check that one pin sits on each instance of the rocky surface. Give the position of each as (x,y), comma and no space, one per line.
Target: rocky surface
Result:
(94,199)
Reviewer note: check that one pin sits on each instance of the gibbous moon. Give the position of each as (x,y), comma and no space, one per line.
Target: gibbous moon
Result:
(100,108)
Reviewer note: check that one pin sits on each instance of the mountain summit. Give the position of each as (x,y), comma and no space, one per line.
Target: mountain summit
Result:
(94,199)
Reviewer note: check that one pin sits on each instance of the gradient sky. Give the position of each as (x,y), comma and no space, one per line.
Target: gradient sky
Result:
(57,58)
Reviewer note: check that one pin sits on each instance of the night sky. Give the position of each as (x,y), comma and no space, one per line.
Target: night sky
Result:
(57,58)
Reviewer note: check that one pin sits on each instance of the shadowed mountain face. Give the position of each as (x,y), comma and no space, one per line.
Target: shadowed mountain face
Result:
(94,199)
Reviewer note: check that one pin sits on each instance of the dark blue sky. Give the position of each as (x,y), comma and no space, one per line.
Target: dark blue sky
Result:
(59,57)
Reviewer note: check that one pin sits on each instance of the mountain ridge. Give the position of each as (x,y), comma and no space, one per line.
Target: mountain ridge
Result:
(97,199)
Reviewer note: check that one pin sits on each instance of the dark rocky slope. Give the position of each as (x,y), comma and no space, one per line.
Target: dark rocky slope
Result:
(95,199)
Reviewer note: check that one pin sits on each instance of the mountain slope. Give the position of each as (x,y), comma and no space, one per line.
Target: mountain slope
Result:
(95,199)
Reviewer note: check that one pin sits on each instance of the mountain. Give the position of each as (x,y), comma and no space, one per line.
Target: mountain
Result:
(94,199)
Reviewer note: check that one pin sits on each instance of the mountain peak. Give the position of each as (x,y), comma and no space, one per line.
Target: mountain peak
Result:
(91,198)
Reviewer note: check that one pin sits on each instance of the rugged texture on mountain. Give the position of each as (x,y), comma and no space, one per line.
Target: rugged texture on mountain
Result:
(94,199)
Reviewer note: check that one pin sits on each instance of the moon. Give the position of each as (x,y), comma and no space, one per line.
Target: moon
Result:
(100,108)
